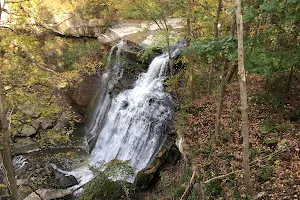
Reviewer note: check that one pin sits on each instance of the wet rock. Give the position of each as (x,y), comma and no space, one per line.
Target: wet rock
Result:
(65,181)
(85,91)
(27,130)
(63,122)
(48,194)
(24,145)
(168,155)
(46,123)
(144,177)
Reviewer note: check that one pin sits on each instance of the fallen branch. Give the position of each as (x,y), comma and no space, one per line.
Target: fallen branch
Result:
(189,187)
(253,163)
(222,176)
(47,69)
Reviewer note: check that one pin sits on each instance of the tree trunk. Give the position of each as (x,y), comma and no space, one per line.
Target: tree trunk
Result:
(7,160)
(285,95)
(225,78)
(243,94)
(209,88)
(218,19)
(189,187)
(211,68)
(167,32)
(188,42)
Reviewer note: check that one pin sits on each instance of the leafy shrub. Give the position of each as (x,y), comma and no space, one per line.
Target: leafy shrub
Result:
(213,188)
(75,51)
(265,173)
(268,126)
(110,181)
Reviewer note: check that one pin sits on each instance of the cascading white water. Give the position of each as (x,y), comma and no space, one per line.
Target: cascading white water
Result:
(109,79)
(135,125)
(132,126)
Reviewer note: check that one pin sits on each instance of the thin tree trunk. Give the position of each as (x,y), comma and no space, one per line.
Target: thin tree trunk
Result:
(243,94)
(188,42)
(189,187)
(285,95)
(191,76)
(225,78)
(7,160)
(233,25)
(218,19)
(233,71)
(209,88)
(211,68)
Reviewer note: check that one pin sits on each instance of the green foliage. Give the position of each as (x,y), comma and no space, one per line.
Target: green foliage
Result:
(72,52)
(270,126)
(272,42)
(265,173)
(212,49)
(110,181)
(52,137)
(213,188)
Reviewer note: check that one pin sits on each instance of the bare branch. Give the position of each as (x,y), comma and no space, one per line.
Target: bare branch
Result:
(253,163)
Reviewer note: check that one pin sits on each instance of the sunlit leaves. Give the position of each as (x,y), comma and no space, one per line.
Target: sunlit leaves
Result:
(211,49)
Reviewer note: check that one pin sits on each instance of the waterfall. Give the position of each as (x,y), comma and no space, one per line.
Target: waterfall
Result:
(109,79)
(132,126)
(136,122)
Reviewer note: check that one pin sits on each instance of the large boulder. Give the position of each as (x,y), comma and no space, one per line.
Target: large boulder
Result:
(26,130)
(30,110)
(65,181)
(85,90)
(46,123)
(49,194)
(25,145)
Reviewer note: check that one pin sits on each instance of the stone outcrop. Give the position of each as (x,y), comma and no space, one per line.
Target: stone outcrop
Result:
(168,154)
(85,90)
(65,181)
(25,145)
(73,25)
(26,130)
(46,123)
(49,194)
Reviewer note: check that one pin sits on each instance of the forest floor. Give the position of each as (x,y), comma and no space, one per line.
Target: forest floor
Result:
(274,147)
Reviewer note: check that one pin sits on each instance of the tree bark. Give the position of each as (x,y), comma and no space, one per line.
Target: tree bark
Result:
(188,43)
(218,19)
(167,32)
(209,86)
(225,78)
(285,95)
(7,160)
(243,95)
(189,187)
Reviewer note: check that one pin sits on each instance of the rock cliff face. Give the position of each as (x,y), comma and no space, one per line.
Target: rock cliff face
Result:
(140,32)
(73,25)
